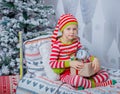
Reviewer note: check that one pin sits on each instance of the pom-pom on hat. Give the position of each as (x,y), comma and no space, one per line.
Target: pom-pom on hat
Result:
(64,21)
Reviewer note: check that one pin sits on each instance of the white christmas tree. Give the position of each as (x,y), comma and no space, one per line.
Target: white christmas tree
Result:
(28,16)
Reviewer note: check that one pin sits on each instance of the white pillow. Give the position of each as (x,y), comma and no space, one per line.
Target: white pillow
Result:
(35,69)
(33,58)
(45,50)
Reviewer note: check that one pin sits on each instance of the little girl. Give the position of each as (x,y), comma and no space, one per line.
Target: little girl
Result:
(64,49)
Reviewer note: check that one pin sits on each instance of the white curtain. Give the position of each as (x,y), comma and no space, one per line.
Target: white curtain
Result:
(111,12)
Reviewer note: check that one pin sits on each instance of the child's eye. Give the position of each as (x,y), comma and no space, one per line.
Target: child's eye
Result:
(74,28)
(68,28)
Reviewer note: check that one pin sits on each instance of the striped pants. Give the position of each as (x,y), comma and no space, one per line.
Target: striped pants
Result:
(77,80)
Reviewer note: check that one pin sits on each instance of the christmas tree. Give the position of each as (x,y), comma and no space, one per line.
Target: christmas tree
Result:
(28,16)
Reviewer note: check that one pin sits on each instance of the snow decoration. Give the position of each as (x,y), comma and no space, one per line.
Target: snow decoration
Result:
(82,53)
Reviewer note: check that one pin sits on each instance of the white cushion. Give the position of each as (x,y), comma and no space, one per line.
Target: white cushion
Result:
(37,52)
(45,50)
(33,58)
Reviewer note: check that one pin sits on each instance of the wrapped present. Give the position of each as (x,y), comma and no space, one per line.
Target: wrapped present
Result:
(87,70)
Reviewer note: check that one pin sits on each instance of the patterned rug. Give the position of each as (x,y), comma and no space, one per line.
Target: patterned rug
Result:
(8,84)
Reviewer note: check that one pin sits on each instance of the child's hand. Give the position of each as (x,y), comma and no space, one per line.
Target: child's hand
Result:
(76,64)
(96,65)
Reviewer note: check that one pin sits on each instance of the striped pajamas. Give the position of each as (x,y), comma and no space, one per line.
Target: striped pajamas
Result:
(76,80)
(59,62)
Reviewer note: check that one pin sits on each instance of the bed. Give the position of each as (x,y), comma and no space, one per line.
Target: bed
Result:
(39,79)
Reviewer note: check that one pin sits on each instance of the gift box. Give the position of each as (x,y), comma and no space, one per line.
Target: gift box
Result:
(86,71)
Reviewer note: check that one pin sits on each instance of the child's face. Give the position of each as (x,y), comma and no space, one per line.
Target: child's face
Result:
(70,32)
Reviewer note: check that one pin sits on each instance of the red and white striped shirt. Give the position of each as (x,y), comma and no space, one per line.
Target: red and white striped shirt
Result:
(63,52)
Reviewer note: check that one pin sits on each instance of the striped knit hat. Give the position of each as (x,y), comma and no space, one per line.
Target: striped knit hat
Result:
(64,21)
